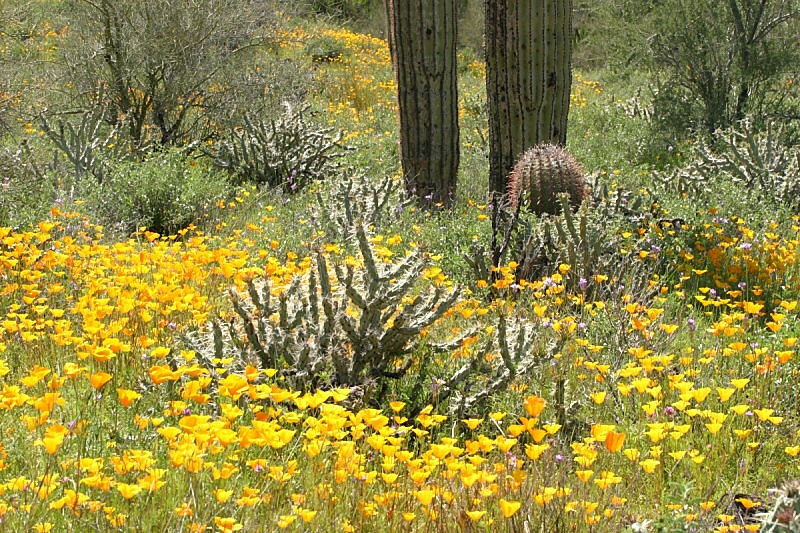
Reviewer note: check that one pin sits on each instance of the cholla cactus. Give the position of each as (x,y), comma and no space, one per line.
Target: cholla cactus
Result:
(522,349)
(89,146)
(359,321)
(541,174)
(356,199)
(689,181)
(342,324)
(615,202)
(758,161)
(289,152)
(784,517)
(359,324)
(581,239)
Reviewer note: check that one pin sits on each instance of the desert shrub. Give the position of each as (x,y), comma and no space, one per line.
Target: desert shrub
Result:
(322,49)
(591,244)
(165,193)
(17,64)
(260,89)
(348,9)
(611,33)
(710,63)
(289,152)
(723,69)
(164,66)
(759,162)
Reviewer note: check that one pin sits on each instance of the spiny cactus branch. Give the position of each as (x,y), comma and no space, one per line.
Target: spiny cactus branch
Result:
(90,145)
(289,152)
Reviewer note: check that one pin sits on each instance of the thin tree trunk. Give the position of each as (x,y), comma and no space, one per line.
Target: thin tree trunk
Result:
(422,38)
(528,79)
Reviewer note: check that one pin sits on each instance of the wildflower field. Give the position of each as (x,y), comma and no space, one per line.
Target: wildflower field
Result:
(651,386)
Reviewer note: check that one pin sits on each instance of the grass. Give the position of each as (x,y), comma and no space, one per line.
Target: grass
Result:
(655,405)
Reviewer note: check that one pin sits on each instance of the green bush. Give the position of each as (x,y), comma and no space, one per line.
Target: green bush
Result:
(348,9)
(25,192)
(165,193)
(710,63)
(724,58)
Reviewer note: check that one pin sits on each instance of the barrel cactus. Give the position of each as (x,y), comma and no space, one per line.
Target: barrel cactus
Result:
(541,174)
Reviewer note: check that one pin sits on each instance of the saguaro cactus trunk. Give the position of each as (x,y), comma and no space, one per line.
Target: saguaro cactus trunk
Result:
(422,38)
(528,79)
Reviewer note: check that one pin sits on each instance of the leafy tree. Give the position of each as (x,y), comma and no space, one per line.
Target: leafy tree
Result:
(711,61)
(422,38)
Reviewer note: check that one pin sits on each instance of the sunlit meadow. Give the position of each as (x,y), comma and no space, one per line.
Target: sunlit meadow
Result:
(672,404)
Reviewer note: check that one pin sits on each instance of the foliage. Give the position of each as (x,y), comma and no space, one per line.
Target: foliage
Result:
(612,33)
(703,75)
(164,193)
(162,64)
(542,174)
(687,181)
(648,396)
(719,72)
(346,9)
(356,322)
(290,152)
(6,104)
(25,192)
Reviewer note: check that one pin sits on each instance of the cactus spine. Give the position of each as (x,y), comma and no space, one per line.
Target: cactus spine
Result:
(541,174)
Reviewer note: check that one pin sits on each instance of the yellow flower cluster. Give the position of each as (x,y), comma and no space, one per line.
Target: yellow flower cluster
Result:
(583,90)
(119,418)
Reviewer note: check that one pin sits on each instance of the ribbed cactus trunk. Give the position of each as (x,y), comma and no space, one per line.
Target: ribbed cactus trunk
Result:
(422,38)
(528,79)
